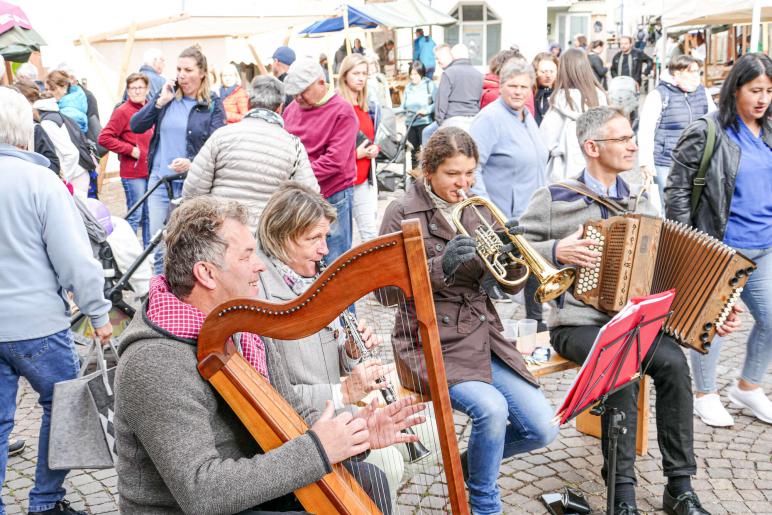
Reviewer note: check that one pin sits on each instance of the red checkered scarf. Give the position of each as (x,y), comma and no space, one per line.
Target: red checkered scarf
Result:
(182,320)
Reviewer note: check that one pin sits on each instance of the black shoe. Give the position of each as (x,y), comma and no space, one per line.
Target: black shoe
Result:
(685,504)
(625,509)
(62,508)
(465,465)
(16,447)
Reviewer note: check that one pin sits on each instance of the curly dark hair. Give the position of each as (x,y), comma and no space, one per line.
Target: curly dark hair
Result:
(444,144)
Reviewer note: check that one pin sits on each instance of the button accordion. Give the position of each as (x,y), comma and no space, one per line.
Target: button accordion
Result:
(642,255)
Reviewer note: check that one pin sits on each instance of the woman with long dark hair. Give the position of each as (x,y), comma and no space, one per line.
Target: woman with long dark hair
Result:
(576,90)
(734,206)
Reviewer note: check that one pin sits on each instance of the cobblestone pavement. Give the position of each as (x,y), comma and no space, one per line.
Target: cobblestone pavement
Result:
(734,465)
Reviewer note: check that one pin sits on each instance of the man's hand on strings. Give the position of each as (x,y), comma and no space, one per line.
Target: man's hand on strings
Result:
(575,250)
(368,336)
(342,436)
(363,380)
(732,322)
(385,425)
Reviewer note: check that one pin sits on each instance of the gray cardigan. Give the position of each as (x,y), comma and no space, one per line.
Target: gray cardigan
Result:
(556,212)
(315,363)
(181,449)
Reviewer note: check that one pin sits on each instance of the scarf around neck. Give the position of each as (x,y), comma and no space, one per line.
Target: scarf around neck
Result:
(443,206)
(265,115)
(183,320)
(296,282)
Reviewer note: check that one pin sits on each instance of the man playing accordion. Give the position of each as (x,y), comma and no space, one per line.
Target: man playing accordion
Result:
(553,224)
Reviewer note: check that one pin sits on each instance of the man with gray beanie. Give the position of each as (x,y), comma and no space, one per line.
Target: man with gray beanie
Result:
(234,162)
(327,126)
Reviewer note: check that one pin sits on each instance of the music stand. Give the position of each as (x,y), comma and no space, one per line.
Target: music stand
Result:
(614,362)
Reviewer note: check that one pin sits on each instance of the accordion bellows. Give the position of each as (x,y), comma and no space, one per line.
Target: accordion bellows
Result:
(642,255)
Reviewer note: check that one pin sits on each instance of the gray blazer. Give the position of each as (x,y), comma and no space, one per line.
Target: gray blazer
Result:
(315,363)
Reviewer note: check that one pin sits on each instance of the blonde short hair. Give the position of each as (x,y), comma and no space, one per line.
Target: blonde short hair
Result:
(290,212)
(16,127)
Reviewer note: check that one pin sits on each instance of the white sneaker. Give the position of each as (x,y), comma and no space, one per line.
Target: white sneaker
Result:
(754,400)
(711,411)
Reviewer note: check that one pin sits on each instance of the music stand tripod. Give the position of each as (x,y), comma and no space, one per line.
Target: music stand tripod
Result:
(626,347)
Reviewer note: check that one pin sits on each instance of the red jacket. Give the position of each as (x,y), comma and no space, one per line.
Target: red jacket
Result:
(491,92)
(117,137)
(236,105)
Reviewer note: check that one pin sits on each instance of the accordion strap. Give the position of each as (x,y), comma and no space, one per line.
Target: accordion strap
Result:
(587,192)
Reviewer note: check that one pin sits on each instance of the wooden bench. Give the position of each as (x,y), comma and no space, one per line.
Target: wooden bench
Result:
(587,423)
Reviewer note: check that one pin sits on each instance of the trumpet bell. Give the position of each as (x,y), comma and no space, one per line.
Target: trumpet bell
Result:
(555,284)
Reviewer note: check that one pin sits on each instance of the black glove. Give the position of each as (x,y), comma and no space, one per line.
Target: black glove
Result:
(459,250)
(514,229)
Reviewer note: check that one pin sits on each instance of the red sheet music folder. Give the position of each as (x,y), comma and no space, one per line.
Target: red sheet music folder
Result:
(616,348)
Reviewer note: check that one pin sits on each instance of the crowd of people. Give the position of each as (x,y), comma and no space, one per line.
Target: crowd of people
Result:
(271,179)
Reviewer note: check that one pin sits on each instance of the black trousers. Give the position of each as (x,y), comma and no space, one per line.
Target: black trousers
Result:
(533,309)
(669,369)
(414,138)
(371,478)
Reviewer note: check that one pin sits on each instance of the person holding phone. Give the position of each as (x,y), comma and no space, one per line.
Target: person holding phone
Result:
(184,114)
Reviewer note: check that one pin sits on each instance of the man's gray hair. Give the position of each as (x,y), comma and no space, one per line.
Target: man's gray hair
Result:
(150,55)
(267,93)
(460,51)
(194,234)
(516,66)
(590,124)
(16,127)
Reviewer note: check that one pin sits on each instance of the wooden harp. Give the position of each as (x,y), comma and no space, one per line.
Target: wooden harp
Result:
(394,260)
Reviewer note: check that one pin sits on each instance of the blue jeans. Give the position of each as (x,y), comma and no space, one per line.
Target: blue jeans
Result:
(757,296)
(339,239)
(427,133)
(134,189)
(509,417)
(158,213)
(43,362)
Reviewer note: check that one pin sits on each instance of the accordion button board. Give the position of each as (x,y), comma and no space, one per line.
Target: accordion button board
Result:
(642,255)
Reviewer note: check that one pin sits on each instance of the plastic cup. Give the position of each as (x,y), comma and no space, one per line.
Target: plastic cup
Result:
(526,327)
(526,336)
(510,329)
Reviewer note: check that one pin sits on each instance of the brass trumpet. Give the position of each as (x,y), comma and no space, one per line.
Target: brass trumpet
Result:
(552,282)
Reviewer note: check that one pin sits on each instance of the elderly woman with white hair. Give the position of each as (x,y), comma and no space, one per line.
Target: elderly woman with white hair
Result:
(234,98)
(513,157)
(44,253)
(249,160)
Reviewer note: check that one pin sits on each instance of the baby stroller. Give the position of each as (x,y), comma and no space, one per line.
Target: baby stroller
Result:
(127,270)
(393,152)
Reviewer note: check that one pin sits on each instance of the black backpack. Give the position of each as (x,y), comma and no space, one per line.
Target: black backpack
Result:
(87,149)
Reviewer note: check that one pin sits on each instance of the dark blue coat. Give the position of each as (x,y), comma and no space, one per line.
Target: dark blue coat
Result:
(203,120)
(679,110)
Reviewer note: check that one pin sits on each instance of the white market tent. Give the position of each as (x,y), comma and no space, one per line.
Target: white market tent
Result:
(223,38)
(713,12)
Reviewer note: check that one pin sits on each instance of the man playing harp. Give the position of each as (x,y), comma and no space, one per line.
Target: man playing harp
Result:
(180,447)
(550,224)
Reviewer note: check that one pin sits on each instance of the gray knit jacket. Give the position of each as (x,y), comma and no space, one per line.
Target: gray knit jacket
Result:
(556,212)
(180,447)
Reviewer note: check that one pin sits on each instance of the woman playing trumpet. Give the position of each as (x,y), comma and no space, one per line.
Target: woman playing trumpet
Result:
(327,365)
(486,374)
